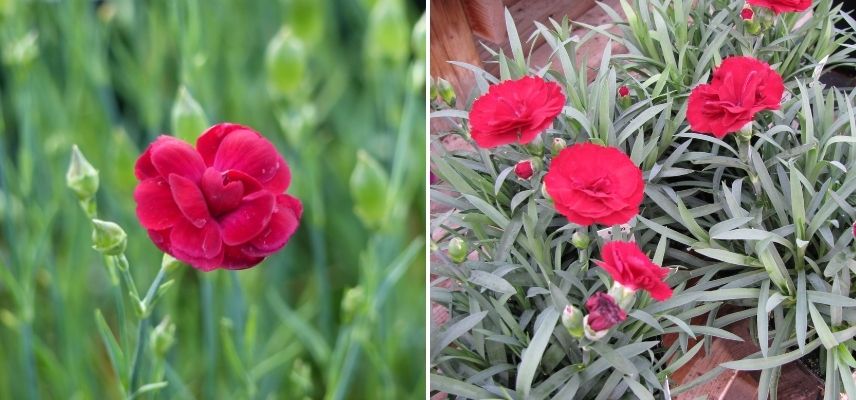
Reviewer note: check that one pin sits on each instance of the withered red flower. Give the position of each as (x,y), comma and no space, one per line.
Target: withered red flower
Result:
(604,312)
(781,6)
(592,184)
(523,169)
(219,205)
(740,88)
(630,267)
(515,111)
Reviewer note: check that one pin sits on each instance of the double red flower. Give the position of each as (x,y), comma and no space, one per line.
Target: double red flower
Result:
(780,6)
(630,267)
(740,88)
(592,184)
(515,111)
(604,312)
(219,205)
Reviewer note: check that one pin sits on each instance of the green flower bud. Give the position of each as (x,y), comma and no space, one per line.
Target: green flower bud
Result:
(572,319)
(580,240)
(108,238)
(535,147)
(433,93)
(447,92)
(624,296)
(387,35)
(170,263)
(745,133)
(559,144)
(352,301)
(369,183)
(307,19)
(82,177)
(418,38)
(162,337)
(458,250)
(188,119)
(285,61)
(417,76)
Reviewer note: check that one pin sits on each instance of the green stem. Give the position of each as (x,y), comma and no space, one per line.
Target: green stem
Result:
(141,332)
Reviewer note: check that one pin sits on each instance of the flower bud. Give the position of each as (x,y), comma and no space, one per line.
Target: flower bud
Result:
(604,313)
(108,238)
(623,91)
(170,263)
(418,38)
(433,93)
(387,35)
(188,119)
(458,250)
(745,133)
(535,147)
(624,296)
(162,337)
(572,319)
(285,60)
(524,169)
(417,76)
(307,19)
(82,177)
(580,240)
(368,188)
(746,13)
(447,92)
(559,144)
(352,301)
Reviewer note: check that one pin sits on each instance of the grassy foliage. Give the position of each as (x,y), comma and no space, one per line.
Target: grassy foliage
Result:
(337,314)
(763,225)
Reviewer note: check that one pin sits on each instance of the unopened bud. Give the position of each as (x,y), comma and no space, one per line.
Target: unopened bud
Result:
(447,92)
(162,337)
(747,13)
(188,119)
(285,61)
(580,240)
(108,237)
(623,91)
(352,301)
(369,183)
(387,35)
(170,263)
(418,38)
(458,250)
(590,333)
(82,177)
(572,319)
(624,296)
(559,144)
(535,147)
(524,169)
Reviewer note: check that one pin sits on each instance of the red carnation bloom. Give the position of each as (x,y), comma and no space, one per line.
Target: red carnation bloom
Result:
(623,91)
(523,169)
(604,312)
(515,111)
(780,6)
(746,13)
(220,205)
(630,267)
(740,88)
(592,184)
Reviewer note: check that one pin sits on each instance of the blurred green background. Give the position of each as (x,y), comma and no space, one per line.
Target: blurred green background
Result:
(338,86)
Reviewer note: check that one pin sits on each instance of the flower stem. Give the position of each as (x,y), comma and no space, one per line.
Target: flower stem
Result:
(141,332)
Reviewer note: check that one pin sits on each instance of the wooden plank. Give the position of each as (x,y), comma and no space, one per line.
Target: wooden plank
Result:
(452,40)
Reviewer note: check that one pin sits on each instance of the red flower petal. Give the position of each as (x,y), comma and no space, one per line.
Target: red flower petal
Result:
(208,143)
(236,259)
(200,247)
(155,207)
(249,219)
(283,224)
(189,199)
(249,152)
(630,267)
(780,6)
(172,156)
(221,196)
